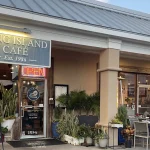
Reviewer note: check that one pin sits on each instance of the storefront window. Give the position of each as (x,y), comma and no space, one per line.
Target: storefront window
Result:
(127,95)
(143,79)
(143,99)
(143,93)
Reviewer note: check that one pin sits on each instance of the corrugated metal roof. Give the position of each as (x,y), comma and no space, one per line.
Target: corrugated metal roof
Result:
(74,10)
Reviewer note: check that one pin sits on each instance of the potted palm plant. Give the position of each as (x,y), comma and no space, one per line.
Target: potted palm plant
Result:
(3,130)
(128,133)
(116,123)
(103,139)
(8,105)
(70,130)
(95,137)
(120,119)
(56,118)
(89,135)
(101,136)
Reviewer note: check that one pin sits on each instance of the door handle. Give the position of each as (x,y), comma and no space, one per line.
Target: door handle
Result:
(28,106)
(22,112)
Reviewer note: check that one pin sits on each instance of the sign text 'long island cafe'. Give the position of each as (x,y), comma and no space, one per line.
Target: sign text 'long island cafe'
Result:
(25,51)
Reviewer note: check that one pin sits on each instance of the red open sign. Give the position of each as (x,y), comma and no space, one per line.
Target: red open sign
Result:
(33,71)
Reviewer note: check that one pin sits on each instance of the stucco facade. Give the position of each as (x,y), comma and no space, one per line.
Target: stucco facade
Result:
(76,69)
(77,48)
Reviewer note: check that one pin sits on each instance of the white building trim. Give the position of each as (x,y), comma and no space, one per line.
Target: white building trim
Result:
(73,25)
(44,27)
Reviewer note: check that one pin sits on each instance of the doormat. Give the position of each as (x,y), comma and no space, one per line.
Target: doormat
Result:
(35,143)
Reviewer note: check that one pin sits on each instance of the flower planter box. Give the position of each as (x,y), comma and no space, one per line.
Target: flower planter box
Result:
(81,140)
(68,139)
(75,141)
(65,137)
(8,123)
(117,125)
(72,140)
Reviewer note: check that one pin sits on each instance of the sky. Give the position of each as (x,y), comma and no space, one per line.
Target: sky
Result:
(139,5)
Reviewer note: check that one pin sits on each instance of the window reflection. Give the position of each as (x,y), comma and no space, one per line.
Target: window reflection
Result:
(128,91)
(128,86)
(130,94)
(143,79)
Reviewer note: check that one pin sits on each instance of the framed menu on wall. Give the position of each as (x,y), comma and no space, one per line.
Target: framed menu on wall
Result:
(143,92)
(131,90)
(60,89)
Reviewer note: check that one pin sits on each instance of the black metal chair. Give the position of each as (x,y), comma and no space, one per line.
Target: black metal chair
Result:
(142,131)
(132,120)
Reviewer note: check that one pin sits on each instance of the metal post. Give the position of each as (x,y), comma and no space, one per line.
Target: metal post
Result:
(121,92)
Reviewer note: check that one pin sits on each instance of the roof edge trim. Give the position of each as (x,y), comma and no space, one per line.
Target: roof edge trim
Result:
(72,25)
(113,8)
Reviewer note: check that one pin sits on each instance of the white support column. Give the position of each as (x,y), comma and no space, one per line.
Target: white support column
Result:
(109,67)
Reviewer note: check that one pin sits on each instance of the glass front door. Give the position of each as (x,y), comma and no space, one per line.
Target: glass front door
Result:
(32,108)
(143,99)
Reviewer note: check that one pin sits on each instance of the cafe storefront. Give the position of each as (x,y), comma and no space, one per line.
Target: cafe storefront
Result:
(135,82)
(41,47)
(25,63)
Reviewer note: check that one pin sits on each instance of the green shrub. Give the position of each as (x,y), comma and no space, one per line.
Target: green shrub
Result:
(68,124)
(4,130)
(57,113)
(8,102)
(122,114)
(80,101)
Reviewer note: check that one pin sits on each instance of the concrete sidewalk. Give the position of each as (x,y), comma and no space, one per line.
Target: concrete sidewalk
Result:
(61,147)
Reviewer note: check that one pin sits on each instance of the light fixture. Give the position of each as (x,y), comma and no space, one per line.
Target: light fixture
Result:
(28,83)
(32,82)
(121,78)
(15,84)
(24,30)
(12,68)
(24,82)
(4,75)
